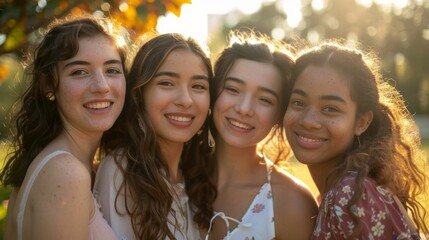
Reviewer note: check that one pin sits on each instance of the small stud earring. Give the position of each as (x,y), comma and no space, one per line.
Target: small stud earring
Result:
(50,96)
(211,140)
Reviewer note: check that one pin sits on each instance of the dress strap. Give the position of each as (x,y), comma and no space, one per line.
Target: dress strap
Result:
(226,220)
(269,165)
(27,189)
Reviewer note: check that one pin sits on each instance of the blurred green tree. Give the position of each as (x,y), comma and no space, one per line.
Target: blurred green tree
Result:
(21,20)
(398,34)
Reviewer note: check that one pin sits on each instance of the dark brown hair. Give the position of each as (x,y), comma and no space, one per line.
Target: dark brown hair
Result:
(144,173)
(37,122)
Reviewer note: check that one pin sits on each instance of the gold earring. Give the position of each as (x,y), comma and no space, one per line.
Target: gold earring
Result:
(212,142)
(50,96)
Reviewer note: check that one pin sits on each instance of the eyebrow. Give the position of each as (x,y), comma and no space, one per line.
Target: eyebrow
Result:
(324,97)
(80,62)
(239,81)
(173,74)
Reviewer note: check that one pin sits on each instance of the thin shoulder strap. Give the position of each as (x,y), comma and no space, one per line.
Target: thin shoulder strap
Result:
(269,165)
(27,189)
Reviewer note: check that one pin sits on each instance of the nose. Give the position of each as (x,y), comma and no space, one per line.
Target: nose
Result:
(183,97)
(244,106)
(99,83)
(310,119)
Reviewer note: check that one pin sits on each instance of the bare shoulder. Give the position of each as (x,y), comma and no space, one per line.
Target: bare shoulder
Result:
(288,186)
(295,207)
(63,176)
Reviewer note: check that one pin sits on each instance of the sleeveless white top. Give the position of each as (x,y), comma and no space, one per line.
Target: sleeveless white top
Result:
(258,221)
(107,184)
(98,227)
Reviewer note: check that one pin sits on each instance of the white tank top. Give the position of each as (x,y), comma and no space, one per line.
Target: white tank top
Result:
(258,221)
(98,227)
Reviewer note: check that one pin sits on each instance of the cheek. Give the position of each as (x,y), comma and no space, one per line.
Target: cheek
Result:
(202,101)
(220,103)
(290,117)
(122,86)
(341,127)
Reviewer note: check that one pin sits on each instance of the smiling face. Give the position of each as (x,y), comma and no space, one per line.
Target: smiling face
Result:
(248,106)
(321,120)
(91,87)
(177,98)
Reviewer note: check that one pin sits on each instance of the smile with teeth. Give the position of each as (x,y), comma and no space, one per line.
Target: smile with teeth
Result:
(239,124)
(311,140)
(98,105)
(179,118)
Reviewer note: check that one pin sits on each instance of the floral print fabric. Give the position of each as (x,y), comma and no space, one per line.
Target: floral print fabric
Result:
(380,215)
(258,221)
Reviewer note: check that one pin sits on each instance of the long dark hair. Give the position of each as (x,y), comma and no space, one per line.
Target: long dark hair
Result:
(389,150)
(144,173)
(37,122)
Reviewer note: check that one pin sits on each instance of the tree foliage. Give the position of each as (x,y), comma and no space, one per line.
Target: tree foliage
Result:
(19,19)
(399,35)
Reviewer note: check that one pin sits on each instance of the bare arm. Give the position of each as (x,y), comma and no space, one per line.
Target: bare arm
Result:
(61,203)
(295,209)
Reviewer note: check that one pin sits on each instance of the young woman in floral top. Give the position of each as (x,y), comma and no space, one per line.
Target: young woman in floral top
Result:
(360,143)
(255,199)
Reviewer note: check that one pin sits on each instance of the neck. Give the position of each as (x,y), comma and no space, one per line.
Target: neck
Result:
(82,146)
(172,154)
(236,164)
(320,173)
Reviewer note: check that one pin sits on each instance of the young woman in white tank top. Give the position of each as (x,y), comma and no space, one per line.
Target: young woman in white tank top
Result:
(76,93)
(256,199)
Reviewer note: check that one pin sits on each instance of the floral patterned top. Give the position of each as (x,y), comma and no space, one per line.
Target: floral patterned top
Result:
(379,212)
(258,221)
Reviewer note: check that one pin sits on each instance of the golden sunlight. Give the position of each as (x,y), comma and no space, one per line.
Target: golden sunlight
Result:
(395,3)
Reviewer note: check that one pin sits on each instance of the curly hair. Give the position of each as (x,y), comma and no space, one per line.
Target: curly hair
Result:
(145,168)
(254,46)
(37,121)
(389,150)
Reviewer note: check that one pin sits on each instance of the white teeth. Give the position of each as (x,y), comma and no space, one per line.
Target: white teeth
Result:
(239,124)
(310,139)
(98,105)
(179,119)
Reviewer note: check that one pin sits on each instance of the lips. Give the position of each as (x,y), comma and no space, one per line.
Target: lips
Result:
(240,125)
(309,141)
(179,118)
(98,105)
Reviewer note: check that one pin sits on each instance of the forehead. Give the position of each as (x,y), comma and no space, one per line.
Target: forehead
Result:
(96,47)
(183,58)
(323,80)
(256,73)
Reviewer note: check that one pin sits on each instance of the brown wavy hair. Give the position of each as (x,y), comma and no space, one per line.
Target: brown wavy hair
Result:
(254,46)
(389,151)
(144,173)
(37,121)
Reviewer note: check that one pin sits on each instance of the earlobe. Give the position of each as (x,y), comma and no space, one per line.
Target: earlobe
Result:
(364,120)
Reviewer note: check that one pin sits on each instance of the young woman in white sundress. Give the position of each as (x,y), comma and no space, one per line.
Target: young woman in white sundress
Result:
(256,198)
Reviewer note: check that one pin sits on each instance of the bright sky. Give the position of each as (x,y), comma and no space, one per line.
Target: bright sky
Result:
(193,20)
